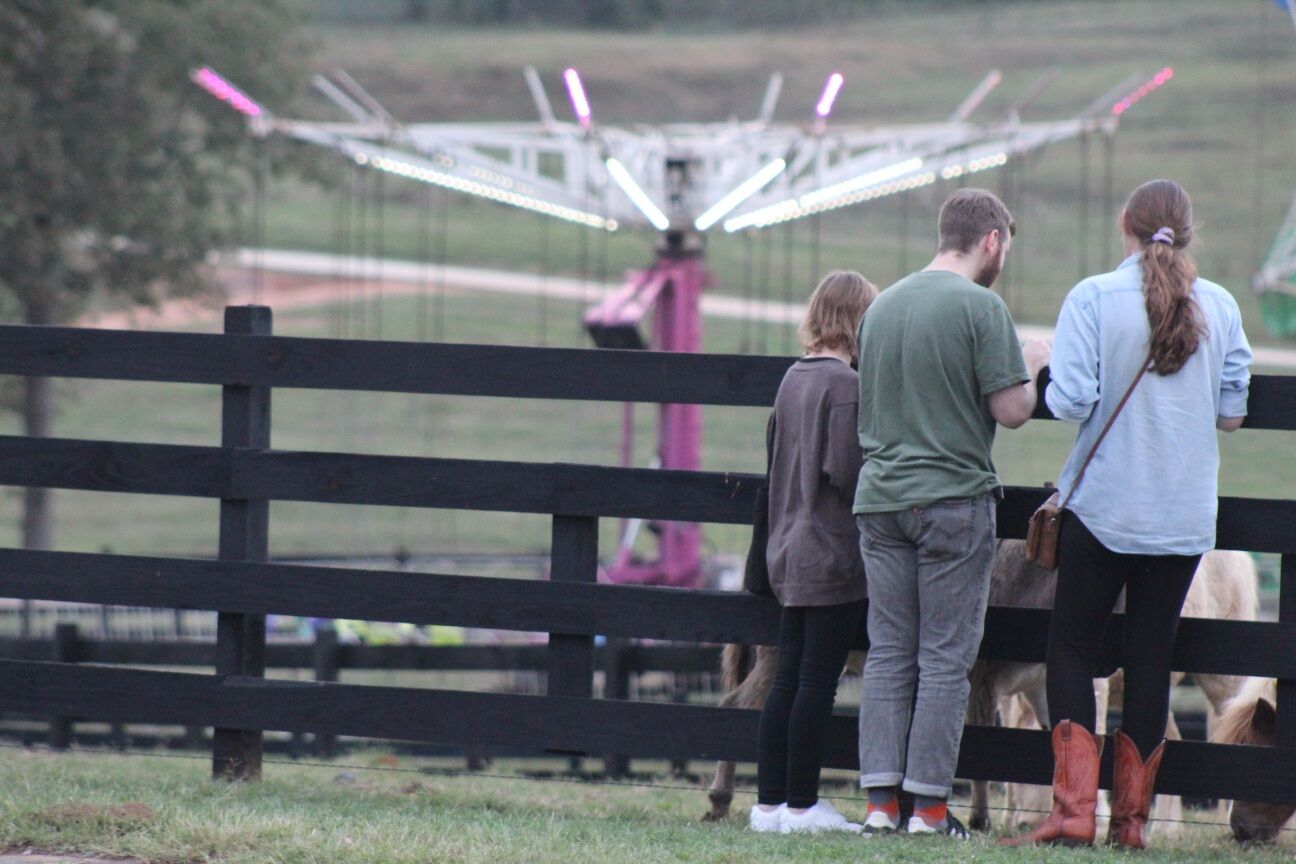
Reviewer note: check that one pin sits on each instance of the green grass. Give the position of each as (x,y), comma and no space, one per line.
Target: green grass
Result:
(91,804)
(1214,127)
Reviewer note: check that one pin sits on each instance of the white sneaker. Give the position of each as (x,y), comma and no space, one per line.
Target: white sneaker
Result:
(820,817)
(953,827)
(878,822)
(767,820)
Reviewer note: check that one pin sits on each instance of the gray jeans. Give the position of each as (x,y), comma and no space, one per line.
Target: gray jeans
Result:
(928,571)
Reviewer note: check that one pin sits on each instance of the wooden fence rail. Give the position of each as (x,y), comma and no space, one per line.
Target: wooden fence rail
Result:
(245,474)
(634,658)
(327,658)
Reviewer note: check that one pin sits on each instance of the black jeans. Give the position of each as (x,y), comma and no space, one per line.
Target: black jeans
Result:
(1090,579)
(813,644)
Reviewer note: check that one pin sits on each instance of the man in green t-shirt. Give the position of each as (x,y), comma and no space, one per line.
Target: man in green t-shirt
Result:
(939,366)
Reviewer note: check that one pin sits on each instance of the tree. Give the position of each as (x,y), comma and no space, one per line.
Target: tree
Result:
(117,175)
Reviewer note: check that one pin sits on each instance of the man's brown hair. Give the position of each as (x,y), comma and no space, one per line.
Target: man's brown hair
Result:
(970,214)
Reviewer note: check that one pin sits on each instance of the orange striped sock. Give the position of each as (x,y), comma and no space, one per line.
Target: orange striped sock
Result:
(891,807)
(933,814)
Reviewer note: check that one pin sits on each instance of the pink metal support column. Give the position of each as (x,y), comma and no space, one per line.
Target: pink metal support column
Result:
(672,289)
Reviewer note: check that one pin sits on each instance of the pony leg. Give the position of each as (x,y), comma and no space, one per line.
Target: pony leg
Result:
(1026,803)
(721,793)
(1167,810)
(1102,702)
(981,712)
(746,691)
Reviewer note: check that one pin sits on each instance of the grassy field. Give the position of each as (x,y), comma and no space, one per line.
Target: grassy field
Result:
(166,810)
(1224,127)
(463,427)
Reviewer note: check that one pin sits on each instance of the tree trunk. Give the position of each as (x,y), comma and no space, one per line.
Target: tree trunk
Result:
(37,411)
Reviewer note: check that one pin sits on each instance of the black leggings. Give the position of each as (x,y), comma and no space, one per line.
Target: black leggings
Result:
(1090,578)
(813,644)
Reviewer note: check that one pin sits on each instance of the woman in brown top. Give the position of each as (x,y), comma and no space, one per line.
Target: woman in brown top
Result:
(813,556)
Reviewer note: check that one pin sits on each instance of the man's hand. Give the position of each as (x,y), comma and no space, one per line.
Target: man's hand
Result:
(1036,353)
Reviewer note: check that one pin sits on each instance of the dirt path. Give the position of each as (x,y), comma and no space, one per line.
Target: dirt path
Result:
(307,279)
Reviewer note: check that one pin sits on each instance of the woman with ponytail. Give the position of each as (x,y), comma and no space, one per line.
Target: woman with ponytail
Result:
(1155,358)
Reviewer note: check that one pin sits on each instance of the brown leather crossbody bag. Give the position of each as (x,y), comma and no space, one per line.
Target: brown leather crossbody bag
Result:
(1045,528)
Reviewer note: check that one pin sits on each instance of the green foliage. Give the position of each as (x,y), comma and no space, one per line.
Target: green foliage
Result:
(117,175)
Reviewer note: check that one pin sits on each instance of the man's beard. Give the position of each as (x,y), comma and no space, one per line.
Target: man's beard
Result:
(990,272)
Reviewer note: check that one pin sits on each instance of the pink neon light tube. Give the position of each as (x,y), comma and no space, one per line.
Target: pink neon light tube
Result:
(225,92)
(1143,90)
(576,91)
(831,88)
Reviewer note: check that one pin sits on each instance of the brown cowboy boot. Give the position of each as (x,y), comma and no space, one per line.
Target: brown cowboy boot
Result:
(1132,781)
(1075,789)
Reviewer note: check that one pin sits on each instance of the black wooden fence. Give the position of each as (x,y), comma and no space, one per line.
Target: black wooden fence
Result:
(327,657)
(244,473)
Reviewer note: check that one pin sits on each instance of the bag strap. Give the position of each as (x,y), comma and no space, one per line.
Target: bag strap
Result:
(1107,428)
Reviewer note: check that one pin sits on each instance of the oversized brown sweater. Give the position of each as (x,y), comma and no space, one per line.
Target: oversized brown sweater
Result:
(813,552)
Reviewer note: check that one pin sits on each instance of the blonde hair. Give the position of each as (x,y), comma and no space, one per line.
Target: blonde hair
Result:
(834,311)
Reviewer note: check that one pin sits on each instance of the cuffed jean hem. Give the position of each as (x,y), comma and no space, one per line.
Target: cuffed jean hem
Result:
(931,790)
(880,780)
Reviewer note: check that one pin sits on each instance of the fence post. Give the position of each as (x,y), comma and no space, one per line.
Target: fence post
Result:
(1285,734)
(65,650)
(325,654)
(244,536)
(679,766)
(573,557)
(616,685)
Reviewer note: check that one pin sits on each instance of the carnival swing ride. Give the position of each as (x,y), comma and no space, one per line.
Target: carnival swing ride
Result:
(682,181)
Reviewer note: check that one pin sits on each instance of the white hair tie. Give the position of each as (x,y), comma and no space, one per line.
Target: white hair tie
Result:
(1164,235)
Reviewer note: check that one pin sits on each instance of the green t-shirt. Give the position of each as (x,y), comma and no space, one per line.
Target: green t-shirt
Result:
(933,346)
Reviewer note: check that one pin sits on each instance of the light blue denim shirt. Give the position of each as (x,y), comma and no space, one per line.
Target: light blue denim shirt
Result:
(1151,488)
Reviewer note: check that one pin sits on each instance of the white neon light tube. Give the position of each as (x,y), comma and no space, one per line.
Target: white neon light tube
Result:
(425,174)
(868,178)
(741,193)
(637,195)
(871,184)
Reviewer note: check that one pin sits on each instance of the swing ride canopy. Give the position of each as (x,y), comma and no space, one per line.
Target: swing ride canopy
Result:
(733,175)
